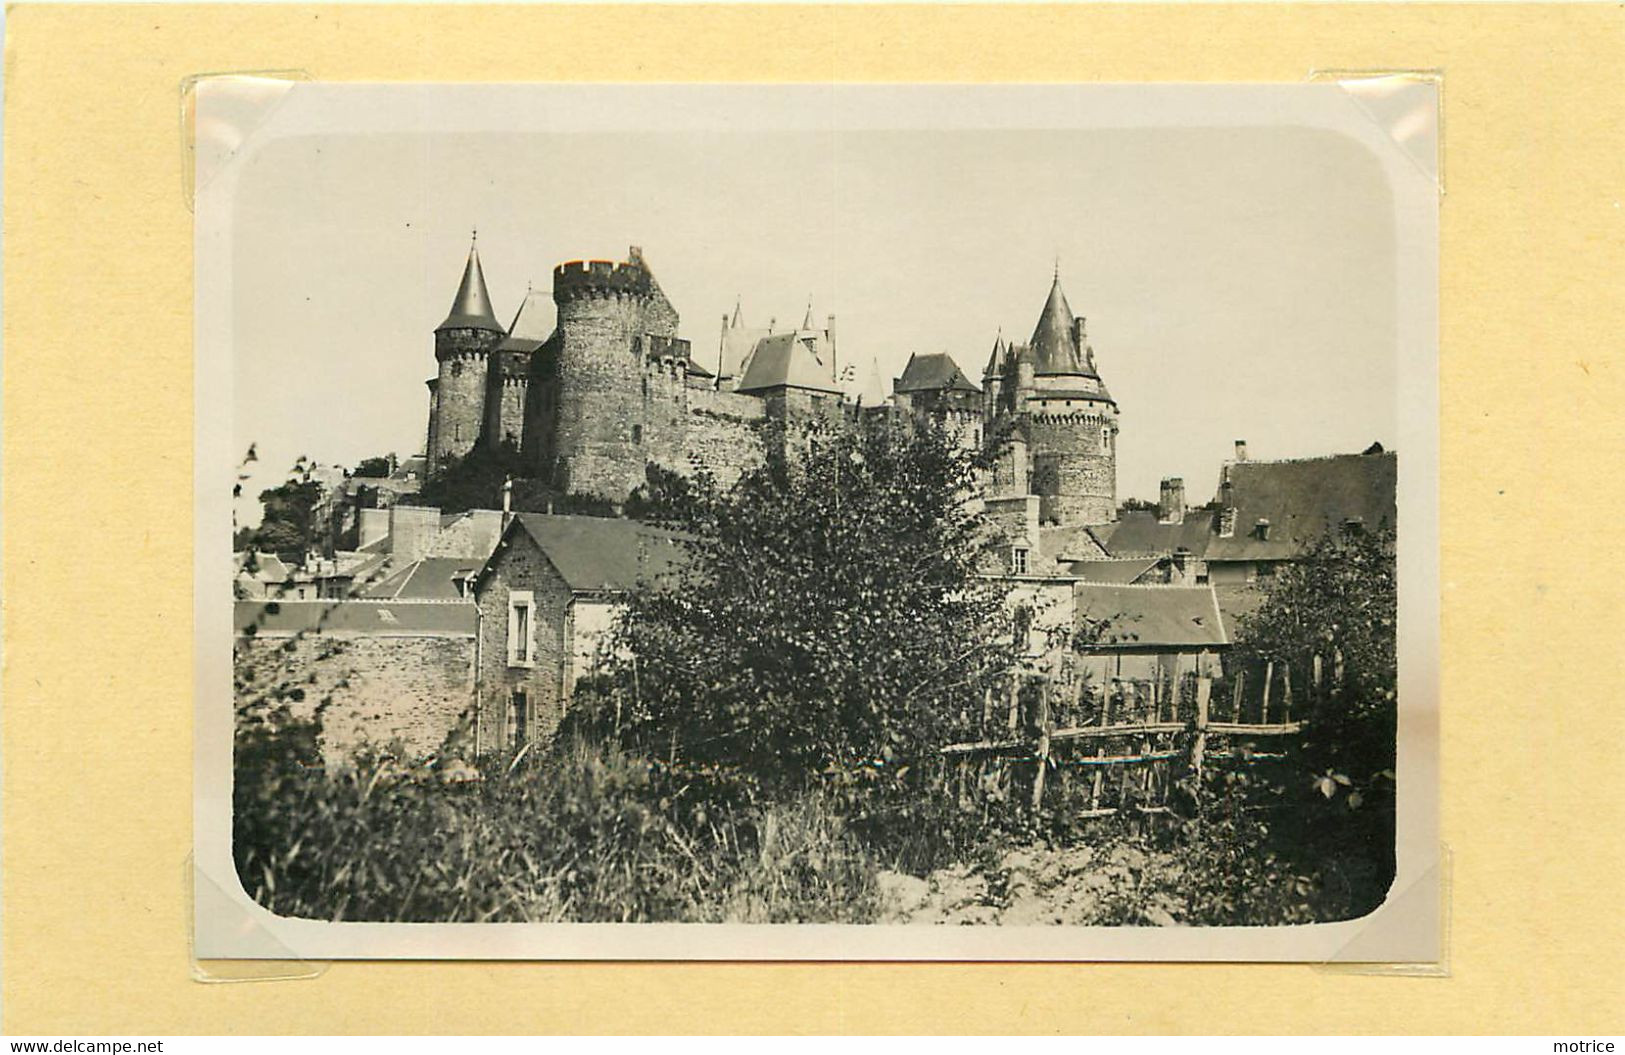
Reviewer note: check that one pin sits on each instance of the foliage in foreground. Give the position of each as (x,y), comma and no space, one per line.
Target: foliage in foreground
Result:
(828,627)
(581,833)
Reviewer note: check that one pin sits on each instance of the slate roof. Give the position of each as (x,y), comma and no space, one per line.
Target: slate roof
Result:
(1183,617)
(1118,572)
(401,618)
(1303,500)
(934,372)
(532,324)
(429,579)
(268,567)
(471,309)
(803,359)
(597,554)
(1139,534)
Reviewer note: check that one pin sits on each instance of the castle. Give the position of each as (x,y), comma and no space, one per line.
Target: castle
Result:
(609,387)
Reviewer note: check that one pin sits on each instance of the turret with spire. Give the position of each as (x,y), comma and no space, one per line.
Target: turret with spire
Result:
(463,344)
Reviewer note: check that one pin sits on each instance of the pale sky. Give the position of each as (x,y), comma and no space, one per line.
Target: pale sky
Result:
(1239,283)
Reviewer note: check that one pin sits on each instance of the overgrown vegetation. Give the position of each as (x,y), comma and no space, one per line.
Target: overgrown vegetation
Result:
(763,744)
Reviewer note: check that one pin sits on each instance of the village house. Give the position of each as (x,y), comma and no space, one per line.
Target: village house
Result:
(546,597)
(1144,645)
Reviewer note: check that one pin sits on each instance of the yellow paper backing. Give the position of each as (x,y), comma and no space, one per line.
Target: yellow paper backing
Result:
(98,515)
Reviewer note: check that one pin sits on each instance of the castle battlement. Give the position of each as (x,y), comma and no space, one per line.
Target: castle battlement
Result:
(600,278)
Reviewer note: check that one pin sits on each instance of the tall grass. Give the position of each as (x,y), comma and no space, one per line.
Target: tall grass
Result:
(582,832)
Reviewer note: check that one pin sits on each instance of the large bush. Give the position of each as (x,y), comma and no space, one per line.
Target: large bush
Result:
(829,624)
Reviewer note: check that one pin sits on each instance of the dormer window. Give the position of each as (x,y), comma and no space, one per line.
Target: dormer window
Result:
(1353,525)
(1227,523)
(1262,528)
(1018,560)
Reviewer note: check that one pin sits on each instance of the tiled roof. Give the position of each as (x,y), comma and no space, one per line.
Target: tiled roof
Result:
(403,618)
(1139,534)
(532,325)
(935,372)
(803,359)
(598,554)
(1303,500)
(1152,616)
(1119,572)
(471,309)
(429,579)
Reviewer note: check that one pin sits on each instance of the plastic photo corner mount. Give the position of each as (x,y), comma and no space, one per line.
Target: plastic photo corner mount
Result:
(239,103)
(1408,105)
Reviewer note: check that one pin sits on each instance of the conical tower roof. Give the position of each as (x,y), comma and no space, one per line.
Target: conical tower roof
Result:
(1054,350)
(995,362)
(472,310)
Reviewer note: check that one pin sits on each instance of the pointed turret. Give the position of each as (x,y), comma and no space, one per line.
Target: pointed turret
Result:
(995,361)
(471,310)
(1055,351)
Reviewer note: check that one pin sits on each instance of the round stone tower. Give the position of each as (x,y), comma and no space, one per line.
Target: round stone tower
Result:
(462,347)
(607,312)
(1071,421)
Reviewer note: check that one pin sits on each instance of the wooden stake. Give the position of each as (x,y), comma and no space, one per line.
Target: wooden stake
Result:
(1015,701)
(1286,693)
(1204,687)
(987,706)
(1235,696)
(1043,745)
(1264,707)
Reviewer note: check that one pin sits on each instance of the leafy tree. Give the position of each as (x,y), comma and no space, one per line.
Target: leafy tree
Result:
(473,481)
(829,621)
(379,466)
(291,522)
(1131,505)
(1338,603)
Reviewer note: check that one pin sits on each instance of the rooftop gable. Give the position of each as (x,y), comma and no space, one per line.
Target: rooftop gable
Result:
(1182,617)
(934,372)
(1304,500)
(596,554)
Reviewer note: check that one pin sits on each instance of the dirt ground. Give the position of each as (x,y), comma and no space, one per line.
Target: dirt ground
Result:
(1030,886)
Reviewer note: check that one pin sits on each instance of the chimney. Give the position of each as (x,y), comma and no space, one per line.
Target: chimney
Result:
(1171,506)
(1241,450)
(507,498)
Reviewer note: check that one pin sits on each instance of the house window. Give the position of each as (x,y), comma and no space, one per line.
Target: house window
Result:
(1105,439)
(1018,560)
(521,719)
(521,629)
(637,433)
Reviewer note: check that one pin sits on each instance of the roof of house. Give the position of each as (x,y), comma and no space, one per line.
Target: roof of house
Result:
(1303,500)
(1151,616)
(1119,572)
(532,324)
(268,567)
(597,554)
(1139,533)
(471,308)
(429,579)
(405,618)
(934,372)
(798,359)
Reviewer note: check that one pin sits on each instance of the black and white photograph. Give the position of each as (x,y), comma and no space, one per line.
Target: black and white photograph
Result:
(817,523)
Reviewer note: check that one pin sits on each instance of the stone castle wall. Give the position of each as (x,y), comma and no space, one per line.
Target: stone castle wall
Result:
(724,436)
(1074,464)
(408,694)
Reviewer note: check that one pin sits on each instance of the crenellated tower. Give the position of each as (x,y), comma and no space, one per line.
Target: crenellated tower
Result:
(617,377)
(463,344)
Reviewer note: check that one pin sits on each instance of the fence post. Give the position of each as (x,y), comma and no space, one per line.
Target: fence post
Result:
(1204,687)
(1286,692)
(1235,697)
(1015,700)
(987,707)
(1264,709)
(1043,744)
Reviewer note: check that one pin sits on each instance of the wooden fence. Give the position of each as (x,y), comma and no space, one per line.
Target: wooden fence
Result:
(1118,746)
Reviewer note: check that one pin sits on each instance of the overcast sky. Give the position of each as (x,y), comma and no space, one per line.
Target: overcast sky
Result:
(1239,283)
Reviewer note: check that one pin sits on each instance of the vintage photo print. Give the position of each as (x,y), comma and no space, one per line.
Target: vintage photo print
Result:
(814,522)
